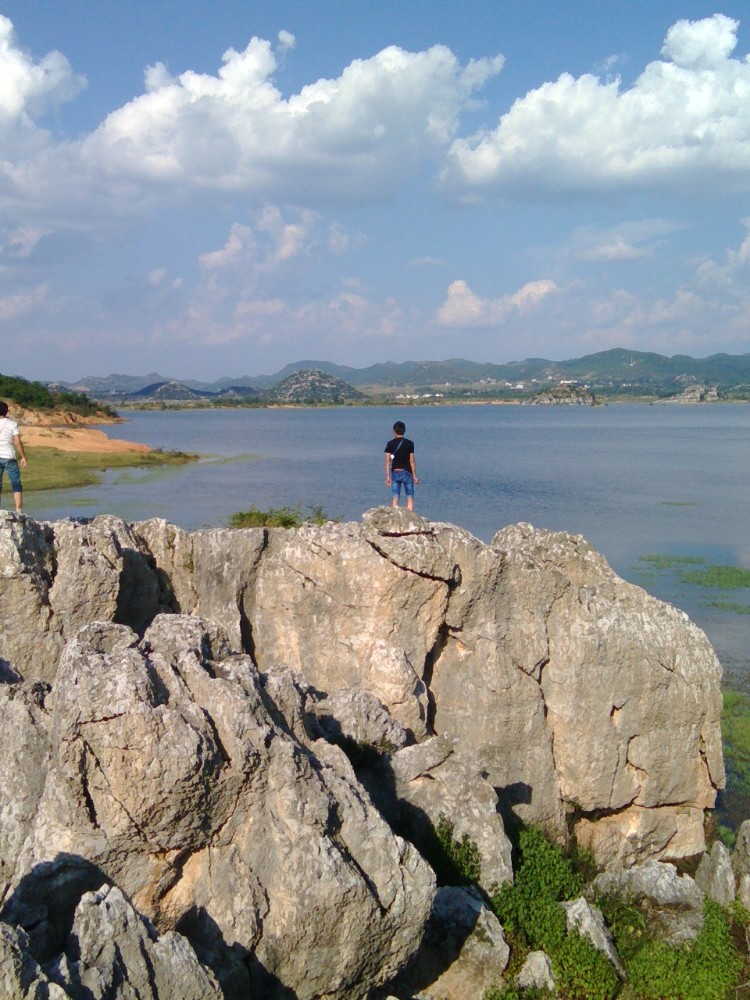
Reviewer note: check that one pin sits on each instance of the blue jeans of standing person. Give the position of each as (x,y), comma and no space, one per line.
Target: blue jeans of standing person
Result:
(400,478)
(10,465)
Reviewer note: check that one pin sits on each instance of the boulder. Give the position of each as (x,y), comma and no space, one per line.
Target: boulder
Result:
(673,903)
(536,973)
(164,769)
(741,852)
(584,919)
(113,954)
(434,782)
(715,875)
(463,953)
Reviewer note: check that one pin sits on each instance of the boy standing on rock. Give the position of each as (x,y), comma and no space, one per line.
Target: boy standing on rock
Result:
(400,466)
(10,439)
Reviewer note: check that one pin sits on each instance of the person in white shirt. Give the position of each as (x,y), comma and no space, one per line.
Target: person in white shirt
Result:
(10,440)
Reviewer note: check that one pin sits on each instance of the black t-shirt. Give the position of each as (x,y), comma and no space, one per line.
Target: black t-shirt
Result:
(405,449)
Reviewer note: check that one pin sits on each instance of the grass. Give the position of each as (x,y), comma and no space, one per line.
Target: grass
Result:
(661,561)
(718,577)
(52,469)
(278,517)
(733,606)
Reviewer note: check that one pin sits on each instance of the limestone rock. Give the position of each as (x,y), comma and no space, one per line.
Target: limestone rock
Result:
(715,875)
(673,903)
(112,954)
(30,640)
(329,605)
(536,973)
(358,717)
(21,977)
(168,777)
(634,732)
(587,920)
(433,781)
(464,951)
(569,691)
(741,852)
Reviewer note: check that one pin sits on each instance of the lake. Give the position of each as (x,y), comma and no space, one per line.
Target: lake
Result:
(666,482)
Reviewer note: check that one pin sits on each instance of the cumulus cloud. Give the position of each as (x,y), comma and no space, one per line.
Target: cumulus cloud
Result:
(354,138)
(27,88)
(683,124)
(463,308)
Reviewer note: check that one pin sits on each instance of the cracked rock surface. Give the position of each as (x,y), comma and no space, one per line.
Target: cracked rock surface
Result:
(244,732)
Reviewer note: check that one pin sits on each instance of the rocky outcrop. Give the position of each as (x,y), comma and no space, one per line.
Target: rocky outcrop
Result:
(562,395)
(673,903)
(694,394)
(254,735)
(164,768)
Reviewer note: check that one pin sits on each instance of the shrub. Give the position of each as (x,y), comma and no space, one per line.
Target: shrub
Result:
(460,862)
(277,517)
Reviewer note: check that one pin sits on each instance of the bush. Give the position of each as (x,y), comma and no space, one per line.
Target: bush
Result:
(708,970)
(277,517)
(458,862)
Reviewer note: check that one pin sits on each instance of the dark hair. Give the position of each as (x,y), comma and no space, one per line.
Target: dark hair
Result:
(399,427)
(3,409)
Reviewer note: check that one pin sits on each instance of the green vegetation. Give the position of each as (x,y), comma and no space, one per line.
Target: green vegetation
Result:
(531,914)
(732,606)
(735,730)
(38,396)
(278,517)
(708,969)
(718,577)
(661,561)
(457,862)
(52,469)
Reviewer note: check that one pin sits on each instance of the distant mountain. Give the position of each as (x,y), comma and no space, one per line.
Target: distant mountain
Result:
(312,386)
(170,391)
(609,371)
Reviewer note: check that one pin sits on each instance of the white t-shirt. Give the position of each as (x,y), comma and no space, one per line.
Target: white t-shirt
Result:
(8,430)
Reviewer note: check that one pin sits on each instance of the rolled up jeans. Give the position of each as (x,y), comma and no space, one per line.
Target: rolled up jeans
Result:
(401,478)
(10,465)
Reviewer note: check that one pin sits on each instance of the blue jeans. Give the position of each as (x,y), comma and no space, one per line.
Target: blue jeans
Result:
(401,478)
(10,465)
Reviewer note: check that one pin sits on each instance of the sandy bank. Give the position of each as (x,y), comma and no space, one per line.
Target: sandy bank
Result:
(80,439)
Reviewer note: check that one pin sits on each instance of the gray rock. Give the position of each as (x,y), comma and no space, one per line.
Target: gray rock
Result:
(587,920)
(464,951)
(168,777)
(715,875)
(673,903)
(743,890)
(113,955)
(741,852)
(357,716)
(434,781)
(21,977)
(536,973)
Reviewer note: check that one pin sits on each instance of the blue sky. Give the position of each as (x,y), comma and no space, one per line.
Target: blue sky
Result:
(210,189)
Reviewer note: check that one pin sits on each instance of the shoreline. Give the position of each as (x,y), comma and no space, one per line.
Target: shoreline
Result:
(86,440)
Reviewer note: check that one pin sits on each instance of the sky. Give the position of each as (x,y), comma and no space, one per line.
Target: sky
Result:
(205,190)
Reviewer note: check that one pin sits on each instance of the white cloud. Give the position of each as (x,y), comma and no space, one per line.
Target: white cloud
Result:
(684,124)
(29,88)
(617,249)
(733,274)
(463,308)
(22,303)
(351,139)
(236,247)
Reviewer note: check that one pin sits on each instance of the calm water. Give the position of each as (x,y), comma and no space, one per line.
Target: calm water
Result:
(634,480)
